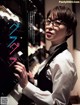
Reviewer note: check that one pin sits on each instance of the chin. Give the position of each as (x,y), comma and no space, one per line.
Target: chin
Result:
(49,38)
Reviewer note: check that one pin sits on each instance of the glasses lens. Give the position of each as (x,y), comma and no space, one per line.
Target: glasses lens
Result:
(55,22)
(47,21)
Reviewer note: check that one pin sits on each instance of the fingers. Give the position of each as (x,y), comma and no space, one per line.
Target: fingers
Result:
(20,64)
(21,74)
(18,77)
(21,69)
(30,75)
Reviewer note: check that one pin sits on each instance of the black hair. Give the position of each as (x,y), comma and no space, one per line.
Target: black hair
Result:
(66,15)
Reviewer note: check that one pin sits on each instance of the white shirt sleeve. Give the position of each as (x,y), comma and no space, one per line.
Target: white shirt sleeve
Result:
(35,82)
(63,78)
(11,100)
(15,95)
(39,96)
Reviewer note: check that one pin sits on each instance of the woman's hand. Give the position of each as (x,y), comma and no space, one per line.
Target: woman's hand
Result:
(22,74)
(31,77)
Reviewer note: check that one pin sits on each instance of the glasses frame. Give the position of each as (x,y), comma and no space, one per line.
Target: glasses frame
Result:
(55,22)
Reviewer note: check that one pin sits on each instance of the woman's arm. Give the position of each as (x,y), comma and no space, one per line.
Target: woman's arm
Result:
(62,85)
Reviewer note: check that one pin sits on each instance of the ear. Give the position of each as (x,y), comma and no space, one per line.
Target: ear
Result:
(69,32)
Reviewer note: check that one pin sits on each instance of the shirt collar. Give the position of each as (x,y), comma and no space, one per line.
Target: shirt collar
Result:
(54,48)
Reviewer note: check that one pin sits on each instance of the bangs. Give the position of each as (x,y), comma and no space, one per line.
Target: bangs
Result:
(59,13)
(65,14)
(52,14)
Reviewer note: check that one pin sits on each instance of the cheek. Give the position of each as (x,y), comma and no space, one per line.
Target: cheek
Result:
(62,30)
(60,33)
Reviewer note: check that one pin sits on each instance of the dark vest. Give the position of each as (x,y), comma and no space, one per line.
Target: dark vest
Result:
(43,82)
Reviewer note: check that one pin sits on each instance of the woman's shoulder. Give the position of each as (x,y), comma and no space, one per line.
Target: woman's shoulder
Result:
(64,56)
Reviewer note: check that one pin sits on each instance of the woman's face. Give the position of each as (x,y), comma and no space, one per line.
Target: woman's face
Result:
(56,30)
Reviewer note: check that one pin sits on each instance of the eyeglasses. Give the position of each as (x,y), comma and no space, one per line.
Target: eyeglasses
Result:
(55,22)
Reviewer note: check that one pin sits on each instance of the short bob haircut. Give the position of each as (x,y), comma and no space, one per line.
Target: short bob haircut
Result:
(66,15)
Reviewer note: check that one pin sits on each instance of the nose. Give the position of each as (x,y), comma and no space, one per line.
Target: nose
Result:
(50,26)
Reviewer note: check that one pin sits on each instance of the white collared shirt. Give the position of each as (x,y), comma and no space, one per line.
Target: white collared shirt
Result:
(62,72)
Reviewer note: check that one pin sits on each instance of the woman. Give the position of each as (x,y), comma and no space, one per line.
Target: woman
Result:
(54,82)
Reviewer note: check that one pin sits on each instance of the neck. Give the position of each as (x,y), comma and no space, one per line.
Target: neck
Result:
(57,43)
